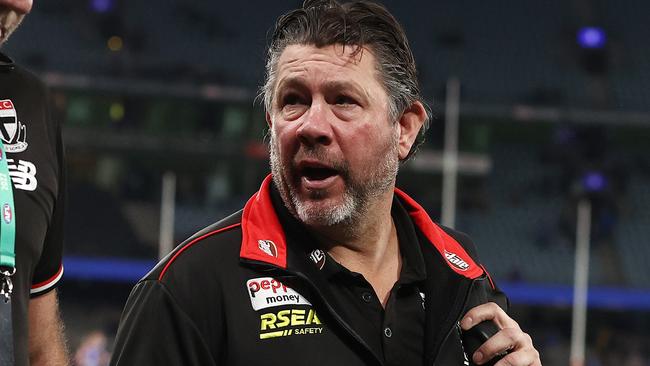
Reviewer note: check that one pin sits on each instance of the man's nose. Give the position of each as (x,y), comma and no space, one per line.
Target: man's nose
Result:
(316,128)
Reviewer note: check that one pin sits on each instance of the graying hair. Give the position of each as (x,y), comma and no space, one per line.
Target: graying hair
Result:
(359,24)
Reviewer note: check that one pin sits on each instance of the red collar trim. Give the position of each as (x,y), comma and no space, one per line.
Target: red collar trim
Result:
(263,237)
(454,254)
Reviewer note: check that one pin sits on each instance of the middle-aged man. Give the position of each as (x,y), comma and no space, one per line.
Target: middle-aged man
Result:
(31,157)
(328,263)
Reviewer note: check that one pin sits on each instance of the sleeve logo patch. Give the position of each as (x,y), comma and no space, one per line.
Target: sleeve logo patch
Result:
(266,292)
(456,261)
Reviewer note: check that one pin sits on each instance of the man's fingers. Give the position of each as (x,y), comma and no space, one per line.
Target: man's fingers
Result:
(518,343)
(499,343)
(510,338)
(488,311)
(528,357)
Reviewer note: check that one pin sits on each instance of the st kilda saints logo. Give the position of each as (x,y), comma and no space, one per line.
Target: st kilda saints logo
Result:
(13,134)
(12,130)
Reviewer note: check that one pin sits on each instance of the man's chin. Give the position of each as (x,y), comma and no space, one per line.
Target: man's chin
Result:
(324,212)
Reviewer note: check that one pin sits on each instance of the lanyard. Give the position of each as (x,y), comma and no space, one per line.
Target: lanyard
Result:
(6,335)
(7,260)
(7,228)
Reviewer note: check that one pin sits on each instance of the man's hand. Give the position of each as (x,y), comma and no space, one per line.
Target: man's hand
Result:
(46,341)
(510,338)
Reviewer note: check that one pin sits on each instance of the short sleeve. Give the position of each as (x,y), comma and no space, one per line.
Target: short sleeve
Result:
(49,268)
(154,330)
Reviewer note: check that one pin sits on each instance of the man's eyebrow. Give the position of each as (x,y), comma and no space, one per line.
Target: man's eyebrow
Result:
(342,84)
(337,85)
(291,82)
(331,86)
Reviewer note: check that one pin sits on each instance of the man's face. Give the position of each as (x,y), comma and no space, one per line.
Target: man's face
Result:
(12,13)
(334,150)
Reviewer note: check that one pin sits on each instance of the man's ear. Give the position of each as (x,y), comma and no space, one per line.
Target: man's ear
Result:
(268,120)
(410,124)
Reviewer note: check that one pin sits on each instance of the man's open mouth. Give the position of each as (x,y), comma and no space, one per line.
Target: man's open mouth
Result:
(317,173)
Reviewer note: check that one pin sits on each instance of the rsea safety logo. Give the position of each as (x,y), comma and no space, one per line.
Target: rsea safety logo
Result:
(456,261)
(295,317)
(289,322)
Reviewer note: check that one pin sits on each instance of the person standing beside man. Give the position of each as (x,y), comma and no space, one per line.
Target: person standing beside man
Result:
(31,226)
(328,263)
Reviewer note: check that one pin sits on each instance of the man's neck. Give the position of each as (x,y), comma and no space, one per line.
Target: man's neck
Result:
(368,246)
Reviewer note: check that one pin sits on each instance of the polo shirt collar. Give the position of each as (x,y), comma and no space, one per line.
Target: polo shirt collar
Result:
(266,223)
(413,268)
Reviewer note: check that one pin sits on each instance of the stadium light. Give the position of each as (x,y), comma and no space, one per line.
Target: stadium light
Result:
(101,6)
(591,37)
(594,181)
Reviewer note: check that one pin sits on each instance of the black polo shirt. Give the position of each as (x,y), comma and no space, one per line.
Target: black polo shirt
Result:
(34,152)
(394,333)
(248,291)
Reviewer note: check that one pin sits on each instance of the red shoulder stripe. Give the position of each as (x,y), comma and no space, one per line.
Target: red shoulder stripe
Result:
(194,241)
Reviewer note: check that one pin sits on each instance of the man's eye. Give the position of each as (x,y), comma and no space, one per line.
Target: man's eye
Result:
(292,99)
(345,100)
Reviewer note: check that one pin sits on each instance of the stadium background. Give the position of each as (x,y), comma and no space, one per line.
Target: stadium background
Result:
(548,114)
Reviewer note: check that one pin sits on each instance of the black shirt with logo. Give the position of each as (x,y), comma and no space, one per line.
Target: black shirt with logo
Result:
(255,288)
(34,153)
(395,334)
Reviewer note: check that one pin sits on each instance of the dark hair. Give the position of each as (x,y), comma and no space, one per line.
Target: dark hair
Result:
(361,24)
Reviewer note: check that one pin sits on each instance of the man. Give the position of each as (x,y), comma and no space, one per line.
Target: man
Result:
(328,264)
(32,155)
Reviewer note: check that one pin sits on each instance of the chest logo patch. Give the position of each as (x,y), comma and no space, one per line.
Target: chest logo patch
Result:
(296,317)
(456,261)
(12,131)
(318,257)
(266,292)
(23,174)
